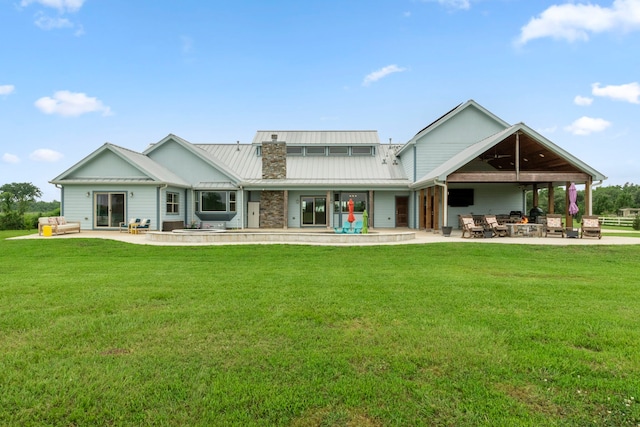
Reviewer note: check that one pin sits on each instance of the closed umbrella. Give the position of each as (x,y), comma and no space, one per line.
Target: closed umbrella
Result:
(573,197)
(351,216)
(365,222)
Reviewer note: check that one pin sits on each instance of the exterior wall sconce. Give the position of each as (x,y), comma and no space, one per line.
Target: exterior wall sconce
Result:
(131,194)
(88,194)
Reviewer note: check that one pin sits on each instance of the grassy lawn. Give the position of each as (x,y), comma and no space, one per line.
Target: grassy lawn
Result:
(97,332)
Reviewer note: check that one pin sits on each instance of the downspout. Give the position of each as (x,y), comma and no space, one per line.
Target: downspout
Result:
(593,184)
(445,202)
(244,210)
(59,187)
(158,198)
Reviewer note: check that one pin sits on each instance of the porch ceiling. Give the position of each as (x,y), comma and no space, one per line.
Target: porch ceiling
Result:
(531,162)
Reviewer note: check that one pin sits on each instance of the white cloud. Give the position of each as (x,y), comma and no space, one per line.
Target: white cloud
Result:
(583,101)
(45,155)
(629,92)
(381,73)
(454,4)
(61,5)
(71,104)
(573,21)
(47,23)
(6,89)
(587,125)
(10,158)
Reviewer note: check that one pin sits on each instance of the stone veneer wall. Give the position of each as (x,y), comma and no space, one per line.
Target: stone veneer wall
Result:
(272,209)
(274,160)
(274,166)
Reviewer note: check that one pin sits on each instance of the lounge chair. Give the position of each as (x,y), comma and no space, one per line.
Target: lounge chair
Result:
(554,225)
(469,226)
(126,226)
(590,227)
(498,229)
(142,226)
(357,227)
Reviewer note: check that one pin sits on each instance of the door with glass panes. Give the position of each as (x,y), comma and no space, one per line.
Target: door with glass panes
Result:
(314,210)
(109,209)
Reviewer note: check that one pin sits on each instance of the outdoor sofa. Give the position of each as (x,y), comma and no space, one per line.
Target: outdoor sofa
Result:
(58,224)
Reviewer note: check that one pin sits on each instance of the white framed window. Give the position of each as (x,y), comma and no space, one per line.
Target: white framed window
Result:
(217,201)
(173,203)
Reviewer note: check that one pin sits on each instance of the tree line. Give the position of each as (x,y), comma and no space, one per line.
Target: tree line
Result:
(606,201)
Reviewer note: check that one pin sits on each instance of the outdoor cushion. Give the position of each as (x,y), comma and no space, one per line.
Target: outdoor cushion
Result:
(554,222)
(590,223)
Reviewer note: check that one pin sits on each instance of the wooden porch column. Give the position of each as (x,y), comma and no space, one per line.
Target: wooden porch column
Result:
(327,209)
(535,196)
(436,208)
(568,218)
(371,222)
(552,196)
(429,209)
(422,212)
(285,209)
(588,207)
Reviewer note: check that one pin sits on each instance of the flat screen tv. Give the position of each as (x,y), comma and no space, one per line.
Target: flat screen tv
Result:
(459,197)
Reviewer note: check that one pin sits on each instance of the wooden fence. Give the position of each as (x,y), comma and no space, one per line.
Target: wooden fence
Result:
(616,220)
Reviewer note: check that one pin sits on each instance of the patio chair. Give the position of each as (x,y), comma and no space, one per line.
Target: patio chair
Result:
(143,226)
(590,227)
(497,228)
(126,226)
(357,227)
(469,227)
(554,225)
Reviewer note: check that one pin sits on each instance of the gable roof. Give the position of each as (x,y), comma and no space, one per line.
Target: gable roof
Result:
(154,172)
(450,115)
(473,151)
(211,160)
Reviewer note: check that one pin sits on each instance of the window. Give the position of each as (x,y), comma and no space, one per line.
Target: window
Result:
(361,151)
(294,151)
(338,151)
(173,203)
(315,151)
(218,201)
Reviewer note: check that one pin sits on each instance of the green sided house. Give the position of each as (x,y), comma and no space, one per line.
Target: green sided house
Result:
(467,161)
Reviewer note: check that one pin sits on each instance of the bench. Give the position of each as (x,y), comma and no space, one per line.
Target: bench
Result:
(58,224)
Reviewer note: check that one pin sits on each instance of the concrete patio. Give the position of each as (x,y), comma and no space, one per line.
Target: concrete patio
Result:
(302,237)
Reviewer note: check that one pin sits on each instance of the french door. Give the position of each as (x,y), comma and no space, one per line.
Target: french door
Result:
(314,210)
(109,209)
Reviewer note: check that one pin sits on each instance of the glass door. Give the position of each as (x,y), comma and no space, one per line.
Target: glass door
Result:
(109,209)
(314,210)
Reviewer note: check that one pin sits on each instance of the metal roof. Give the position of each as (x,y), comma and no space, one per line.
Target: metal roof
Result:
(319,137)
(244,161)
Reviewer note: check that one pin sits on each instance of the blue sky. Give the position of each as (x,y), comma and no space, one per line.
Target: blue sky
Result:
(77,73)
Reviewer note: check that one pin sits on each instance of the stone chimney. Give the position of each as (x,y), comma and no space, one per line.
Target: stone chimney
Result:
(274,159)
(274,166)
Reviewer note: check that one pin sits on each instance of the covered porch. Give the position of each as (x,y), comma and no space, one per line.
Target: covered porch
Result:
(514,160)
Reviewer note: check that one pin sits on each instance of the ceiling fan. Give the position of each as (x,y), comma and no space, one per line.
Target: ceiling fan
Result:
(491,157)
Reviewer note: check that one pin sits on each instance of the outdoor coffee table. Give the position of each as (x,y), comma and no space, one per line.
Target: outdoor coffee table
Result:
(524,230)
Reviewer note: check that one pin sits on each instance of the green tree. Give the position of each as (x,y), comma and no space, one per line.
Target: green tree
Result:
(15,198)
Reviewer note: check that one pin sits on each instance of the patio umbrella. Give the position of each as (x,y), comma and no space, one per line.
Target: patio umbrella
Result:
(573,196)
(351,217)
(365,221)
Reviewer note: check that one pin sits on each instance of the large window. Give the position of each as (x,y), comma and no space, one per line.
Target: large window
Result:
(218,201)
(173,203)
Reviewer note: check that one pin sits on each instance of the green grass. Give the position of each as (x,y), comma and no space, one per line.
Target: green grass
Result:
(96,332)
